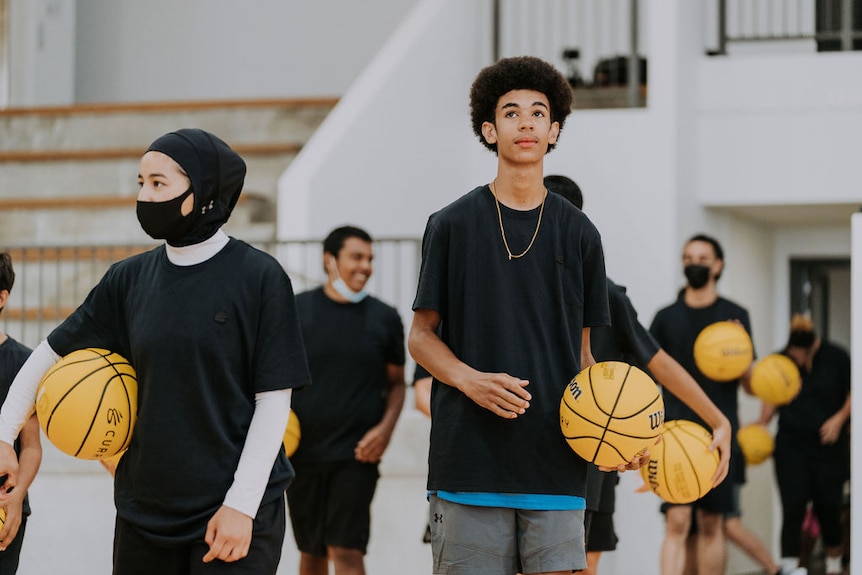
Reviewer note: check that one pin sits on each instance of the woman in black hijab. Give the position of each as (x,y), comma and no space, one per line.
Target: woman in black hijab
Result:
(210,325)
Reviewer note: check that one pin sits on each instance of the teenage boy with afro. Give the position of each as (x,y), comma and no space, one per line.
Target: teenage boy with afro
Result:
(514,278)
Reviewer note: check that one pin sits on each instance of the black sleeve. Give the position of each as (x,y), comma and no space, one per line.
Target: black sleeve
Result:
(633,337)
(98,322)
(420,373)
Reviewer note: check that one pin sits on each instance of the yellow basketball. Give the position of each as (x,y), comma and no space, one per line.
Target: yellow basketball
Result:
(87,403)
(610,412)
(723,351)
(755,442)
(775,379)
(292,434)
(681,466)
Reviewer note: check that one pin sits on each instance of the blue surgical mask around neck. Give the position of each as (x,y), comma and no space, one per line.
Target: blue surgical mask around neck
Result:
(347,293)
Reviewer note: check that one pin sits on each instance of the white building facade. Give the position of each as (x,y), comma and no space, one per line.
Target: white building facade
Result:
(756,146)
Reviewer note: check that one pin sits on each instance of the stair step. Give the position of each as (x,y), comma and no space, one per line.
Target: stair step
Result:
(238,122)
(100,154)
(52,314)
(74,179)
(81,202)
(112,220)
(69,173)
(72,203)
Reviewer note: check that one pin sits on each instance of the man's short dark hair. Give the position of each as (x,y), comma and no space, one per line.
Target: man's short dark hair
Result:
(567,188)
(336,238)
(518,73)
(7,273)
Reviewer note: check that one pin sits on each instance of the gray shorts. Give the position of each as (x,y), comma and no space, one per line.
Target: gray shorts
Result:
(473,540)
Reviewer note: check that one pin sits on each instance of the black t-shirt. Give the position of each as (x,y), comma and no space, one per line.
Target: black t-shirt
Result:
(625,340)
(675,328)
(824,391)
(203,339)
(521,316)
(420,373)
(12,356)
(349,346)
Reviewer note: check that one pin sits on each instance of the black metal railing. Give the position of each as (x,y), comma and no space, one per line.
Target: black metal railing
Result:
(830,25)
(597,43)
(51,281)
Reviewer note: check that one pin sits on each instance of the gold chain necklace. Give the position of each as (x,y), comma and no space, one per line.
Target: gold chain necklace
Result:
(512,256)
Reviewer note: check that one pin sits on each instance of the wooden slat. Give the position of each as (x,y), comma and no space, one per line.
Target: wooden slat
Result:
(35,314)
(79,202)
(72,253)
(94,154)
(169,106)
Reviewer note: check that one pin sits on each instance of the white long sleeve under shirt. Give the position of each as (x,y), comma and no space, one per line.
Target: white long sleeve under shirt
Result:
(266,429)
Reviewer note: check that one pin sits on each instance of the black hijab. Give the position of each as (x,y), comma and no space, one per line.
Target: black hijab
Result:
(216,172)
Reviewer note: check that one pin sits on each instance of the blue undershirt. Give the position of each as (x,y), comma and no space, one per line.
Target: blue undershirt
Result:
(535,502)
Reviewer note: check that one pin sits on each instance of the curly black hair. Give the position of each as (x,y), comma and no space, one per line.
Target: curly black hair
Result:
(518,73)
(7,273)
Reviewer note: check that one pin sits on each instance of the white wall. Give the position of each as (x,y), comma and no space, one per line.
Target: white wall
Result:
(399,144)
(856,376)
(779,129)
(41,52)
(221,49)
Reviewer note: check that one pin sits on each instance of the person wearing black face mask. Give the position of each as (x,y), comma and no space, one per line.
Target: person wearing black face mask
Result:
(697,275)
(201,488)
(812,428)
(676,327)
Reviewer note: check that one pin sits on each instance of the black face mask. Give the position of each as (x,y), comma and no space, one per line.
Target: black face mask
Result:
(801,338)
(164,220)
(697,275)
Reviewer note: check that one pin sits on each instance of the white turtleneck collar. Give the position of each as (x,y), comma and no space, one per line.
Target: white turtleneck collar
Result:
(197,253)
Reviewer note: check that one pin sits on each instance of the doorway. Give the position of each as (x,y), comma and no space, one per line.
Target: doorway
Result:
(821,287)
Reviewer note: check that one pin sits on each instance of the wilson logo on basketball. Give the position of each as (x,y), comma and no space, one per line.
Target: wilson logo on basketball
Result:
(656,419)
(735,351)
(574,389)
(652,474)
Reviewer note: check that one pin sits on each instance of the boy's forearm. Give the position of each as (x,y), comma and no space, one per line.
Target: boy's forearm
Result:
(672,376)
(30,456)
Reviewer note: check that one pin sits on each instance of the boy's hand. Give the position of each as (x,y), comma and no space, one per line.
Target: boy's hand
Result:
(637,462)
(8,470)
(499,393)
(14,516)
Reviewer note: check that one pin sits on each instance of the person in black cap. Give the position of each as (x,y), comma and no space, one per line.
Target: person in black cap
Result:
(210,325)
